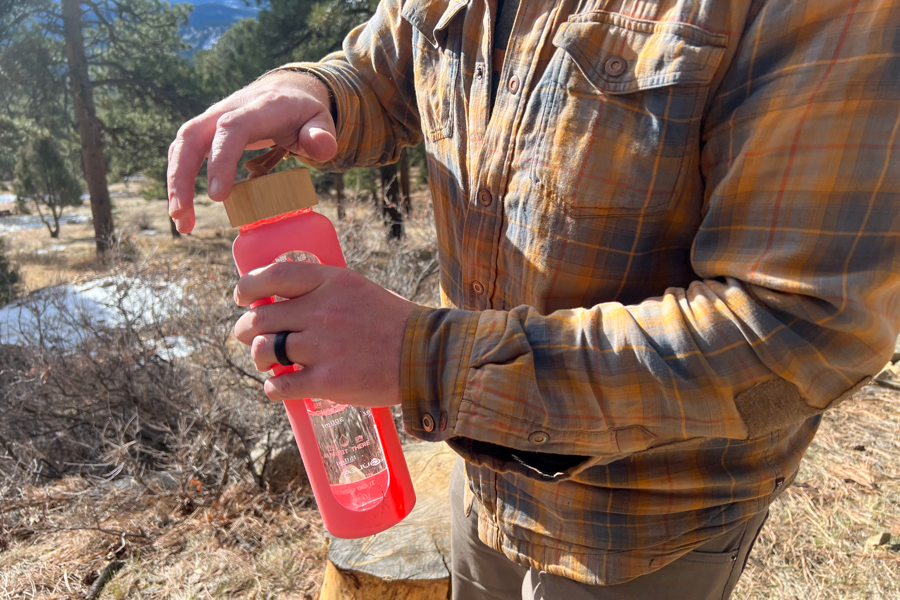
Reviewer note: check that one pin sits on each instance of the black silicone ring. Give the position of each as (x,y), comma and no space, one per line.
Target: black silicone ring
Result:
(281,349)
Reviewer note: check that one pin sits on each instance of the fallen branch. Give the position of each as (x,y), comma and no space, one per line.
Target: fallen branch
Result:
(105,575)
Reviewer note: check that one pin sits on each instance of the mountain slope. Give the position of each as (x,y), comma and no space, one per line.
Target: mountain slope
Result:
(210,20)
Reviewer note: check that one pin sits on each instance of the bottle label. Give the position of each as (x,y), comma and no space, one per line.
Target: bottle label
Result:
(348,441)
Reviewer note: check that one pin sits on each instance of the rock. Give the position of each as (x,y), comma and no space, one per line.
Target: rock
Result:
(277,459)
(879,539)
(127,484)
(889,377)
(162,480)
(408,561)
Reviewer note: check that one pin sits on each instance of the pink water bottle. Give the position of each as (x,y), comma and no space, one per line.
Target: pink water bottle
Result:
(352,455)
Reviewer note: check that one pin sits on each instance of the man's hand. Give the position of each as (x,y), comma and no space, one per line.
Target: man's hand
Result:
(286,108)
(347,332)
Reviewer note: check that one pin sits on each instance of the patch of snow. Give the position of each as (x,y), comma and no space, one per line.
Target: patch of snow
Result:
(23,222)
(61,315)
(174,346)
(50,249)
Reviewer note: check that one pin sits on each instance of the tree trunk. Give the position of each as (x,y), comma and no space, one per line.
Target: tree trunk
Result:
(37,207)
(93,161)
(390,201)
(403,166)
(54,233)
(175,233)
(339,193)
(409,560)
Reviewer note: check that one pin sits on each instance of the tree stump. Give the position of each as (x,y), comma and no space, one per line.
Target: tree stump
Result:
(408,561)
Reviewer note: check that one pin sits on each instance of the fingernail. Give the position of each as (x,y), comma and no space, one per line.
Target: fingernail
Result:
(214,186)
(315,130)
(174,203)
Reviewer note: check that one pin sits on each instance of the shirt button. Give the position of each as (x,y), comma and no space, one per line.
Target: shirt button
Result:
(513,85)
(538,438)
(485,198)
(479,72)
(428,423)
(479,289)
(443,421)
(616,66)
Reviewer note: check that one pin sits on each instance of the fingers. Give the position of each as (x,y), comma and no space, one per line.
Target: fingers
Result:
(186,156)
(270,319)
(301,348)
(291,386)
(279,117)
(318,139)
(284,279)
(233,132)
(287,109)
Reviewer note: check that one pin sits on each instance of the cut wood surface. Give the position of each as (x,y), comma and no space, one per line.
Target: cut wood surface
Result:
(408,561)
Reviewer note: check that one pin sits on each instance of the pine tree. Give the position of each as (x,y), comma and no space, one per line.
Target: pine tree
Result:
(44,180)
(9,278)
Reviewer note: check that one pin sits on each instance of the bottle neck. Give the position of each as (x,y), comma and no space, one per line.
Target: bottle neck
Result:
(294,213)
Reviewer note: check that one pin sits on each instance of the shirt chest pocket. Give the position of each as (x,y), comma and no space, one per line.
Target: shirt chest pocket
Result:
(624,113)
(437,43)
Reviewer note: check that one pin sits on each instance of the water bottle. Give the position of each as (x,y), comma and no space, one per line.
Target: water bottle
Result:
(352,455)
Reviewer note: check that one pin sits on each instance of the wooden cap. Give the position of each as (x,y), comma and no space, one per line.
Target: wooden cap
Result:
(269,196)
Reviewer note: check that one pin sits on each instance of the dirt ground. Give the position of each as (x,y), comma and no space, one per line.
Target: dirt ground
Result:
(819,542)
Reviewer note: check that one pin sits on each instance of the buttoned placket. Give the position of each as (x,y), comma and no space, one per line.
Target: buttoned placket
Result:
(484,213)
(484,217)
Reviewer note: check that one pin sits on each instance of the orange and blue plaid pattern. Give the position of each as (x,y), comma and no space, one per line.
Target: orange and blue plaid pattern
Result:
(672,205)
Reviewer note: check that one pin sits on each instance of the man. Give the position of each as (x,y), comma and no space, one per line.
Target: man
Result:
(668,236)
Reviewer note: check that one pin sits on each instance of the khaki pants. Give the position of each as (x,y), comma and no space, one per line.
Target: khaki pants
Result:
(481,573)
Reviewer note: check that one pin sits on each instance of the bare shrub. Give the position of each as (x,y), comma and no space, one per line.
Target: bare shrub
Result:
(154,384)
(406,267)
(142,221)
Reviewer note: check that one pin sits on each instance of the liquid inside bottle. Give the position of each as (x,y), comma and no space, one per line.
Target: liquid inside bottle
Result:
(351,451)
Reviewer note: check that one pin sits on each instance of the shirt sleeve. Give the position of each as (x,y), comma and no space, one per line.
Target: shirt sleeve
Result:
(798,298)
(371,83)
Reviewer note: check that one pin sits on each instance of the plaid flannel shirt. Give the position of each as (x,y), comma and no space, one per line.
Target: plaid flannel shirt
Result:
(670,246)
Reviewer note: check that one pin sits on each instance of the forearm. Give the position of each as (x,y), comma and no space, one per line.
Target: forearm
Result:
(370,89)
(711,361)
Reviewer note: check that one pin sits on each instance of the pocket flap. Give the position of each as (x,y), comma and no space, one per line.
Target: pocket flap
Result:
(652,53)
(431,17)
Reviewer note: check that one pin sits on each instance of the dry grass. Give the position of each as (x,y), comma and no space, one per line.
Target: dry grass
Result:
(244,544)
(814,544)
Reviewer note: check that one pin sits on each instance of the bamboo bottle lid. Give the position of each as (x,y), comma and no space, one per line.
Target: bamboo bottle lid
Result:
(269,196)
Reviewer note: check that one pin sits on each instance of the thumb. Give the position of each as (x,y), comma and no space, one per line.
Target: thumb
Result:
(318,138)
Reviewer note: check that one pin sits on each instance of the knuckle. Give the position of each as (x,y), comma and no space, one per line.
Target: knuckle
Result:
(272,96)
(258,321)
(257,347)
(185,131)
(282,273)
(335,314)
(350,282)
(228,120)
(288,386)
